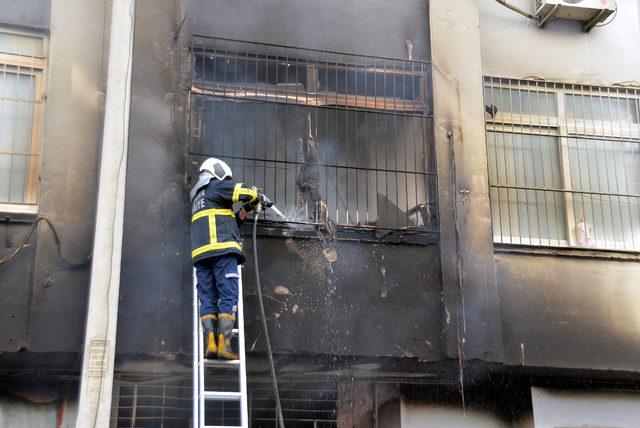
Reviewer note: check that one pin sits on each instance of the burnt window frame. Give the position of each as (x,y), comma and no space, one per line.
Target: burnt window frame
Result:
(308,90)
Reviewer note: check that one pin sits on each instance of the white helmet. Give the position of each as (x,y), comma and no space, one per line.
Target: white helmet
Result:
(217,168)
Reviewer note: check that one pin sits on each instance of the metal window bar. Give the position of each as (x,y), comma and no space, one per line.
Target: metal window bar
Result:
(329,135)
(166,402)
(564,164)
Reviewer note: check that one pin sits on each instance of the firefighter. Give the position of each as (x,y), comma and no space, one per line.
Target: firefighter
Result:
(216,250)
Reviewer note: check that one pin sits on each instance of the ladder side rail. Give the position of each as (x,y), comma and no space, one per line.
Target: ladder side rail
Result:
(201,385)
(244,414)
(196,352)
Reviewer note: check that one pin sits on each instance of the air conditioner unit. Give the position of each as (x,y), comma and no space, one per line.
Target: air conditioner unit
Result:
(589,12)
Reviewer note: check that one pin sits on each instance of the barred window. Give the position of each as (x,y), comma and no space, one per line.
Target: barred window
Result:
(22,64)
(330,136)
(564,164)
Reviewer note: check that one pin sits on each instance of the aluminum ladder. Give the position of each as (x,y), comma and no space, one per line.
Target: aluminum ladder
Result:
(200,395)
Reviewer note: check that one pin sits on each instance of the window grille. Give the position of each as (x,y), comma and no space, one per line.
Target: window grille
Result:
(142,401)
(22,66)
(564,164)
(329,136)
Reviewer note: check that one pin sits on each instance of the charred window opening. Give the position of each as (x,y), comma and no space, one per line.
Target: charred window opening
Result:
(564,164)
(331,137)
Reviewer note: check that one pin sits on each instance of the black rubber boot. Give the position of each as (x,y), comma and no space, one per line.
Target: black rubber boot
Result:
(210,331)
(225,351)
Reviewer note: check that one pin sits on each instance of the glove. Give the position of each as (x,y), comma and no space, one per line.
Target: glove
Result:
(250,206)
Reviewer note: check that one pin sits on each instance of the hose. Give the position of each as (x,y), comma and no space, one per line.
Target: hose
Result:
(274,380)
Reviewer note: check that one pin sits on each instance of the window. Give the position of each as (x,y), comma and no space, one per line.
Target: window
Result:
(22,66)
(564,164)
(329,136)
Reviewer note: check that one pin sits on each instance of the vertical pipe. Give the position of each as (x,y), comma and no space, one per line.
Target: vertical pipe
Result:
(102,312)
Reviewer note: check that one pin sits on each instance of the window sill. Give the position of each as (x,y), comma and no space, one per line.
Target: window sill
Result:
(343,233)
(630,256)
(18,212)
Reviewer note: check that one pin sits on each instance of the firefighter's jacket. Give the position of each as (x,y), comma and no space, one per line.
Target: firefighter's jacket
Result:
(214,225)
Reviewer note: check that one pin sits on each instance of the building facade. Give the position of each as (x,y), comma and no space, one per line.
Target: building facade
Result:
(462,192)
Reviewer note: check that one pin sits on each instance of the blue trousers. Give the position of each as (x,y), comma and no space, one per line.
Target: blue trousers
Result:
(218,285)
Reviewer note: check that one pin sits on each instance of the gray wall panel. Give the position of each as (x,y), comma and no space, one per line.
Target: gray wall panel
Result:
(370,27)
(31,13)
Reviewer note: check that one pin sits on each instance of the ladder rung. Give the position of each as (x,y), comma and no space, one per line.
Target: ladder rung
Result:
(222,395)
(221,363)
(222,426)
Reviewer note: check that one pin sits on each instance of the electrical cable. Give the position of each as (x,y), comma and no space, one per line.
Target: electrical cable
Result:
(518,10)
(274,380)
(604,24)
(56,238)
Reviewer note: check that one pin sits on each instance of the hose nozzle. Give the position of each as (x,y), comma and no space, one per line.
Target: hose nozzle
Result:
(266,201)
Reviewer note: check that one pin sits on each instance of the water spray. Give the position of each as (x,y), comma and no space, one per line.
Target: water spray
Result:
(278,212)
(268,203)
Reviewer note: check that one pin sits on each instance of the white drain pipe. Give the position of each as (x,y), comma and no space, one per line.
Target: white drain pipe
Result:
(102,312)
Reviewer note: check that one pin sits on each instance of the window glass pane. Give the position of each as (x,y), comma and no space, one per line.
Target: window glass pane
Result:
(242,69)
(16,126)
(13,175)
(391,79)
(601,109)
(522,102)
(14,85)
(605,176)
(18,178)
(523,170)
(21,44)
(5,174)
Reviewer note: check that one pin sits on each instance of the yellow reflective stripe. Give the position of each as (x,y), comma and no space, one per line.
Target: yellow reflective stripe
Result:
(236,193)
(212,212)
(213,231)
(215,246)
(210,316)
(239,190)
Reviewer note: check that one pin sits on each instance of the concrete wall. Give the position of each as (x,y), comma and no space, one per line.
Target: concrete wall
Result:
(468,272)
(568,310)
(427,415)
(46,308)
(565,311)
(369,27)
(19,413)
(554,408)
(513,46)
(73,131)
(29,13)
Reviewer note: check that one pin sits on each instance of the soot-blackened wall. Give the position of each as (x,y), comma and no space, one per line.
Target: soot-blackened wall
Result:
(375,299)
